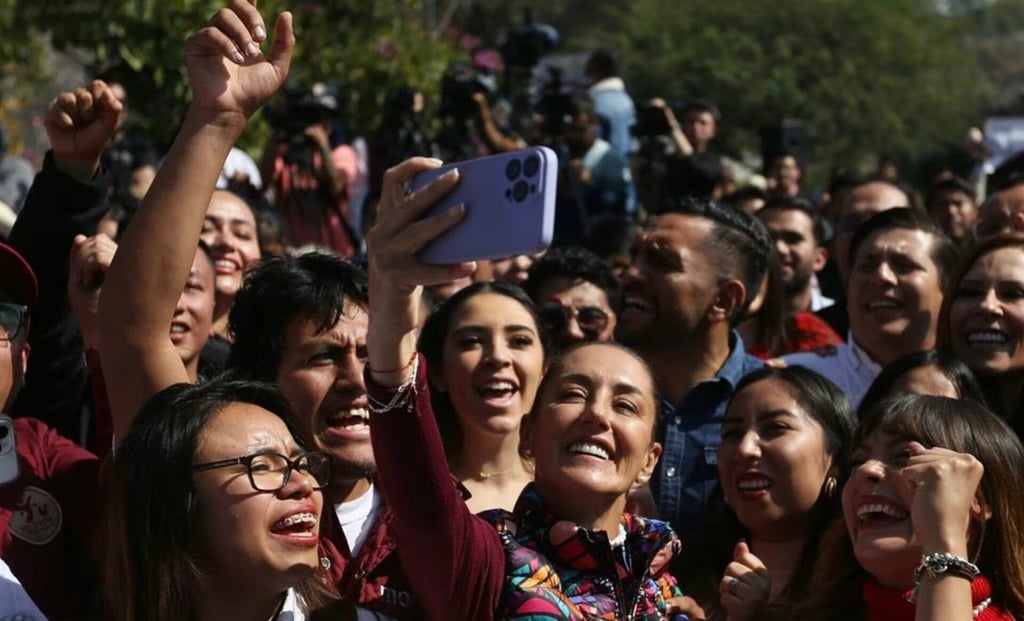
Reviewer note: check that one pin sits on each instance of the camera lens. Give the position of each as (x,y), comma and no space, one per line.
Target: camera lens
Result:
(512,169)
(520,190)
(532,165)
(4,432)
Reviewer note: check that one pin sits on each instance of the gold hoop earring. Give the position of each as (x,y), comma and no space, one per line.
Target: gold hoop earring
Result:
(830,487)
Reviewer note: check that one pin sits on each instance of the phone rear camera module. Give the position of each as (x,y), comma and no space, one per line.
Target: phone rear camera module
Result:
(520,190)
(512,169)
(532,166)
(4,432)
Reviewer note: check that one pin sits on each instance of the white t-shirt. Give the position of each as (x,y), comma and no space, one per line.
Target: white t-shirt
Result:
(14,601)
(357,518)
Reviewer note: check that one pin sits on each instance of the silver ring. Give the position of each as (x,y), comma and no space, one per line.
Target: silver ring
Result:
(734,585)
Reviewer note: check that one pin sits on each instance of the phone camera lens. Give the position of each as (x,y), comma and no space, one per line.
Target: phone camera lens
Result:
(4,432)
(512,169)
(532,165)
(520,190)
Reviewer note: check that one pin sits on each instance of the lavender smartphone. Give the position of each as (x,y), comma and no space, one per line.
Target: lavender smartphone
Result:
(510,206)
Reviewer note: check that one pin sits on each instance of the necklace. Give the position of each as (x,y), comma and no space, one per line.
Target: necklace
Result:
(483,476)
(980,608)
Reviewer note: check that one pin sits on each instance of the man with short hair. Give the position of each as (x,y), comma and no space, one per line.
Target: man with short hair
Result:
(785,174)
(798,232)
(696,269)
(862,201)
(952,203)
(901,261)
(576,294)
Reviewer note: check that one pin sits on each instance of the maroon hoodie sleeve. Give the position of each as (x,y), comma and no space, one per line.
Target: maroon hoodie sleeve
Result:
(453,559)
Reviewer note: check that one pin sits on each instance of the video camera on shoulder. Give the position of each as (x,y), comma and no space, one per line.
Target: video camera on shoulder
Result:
(460,82)
(299,108)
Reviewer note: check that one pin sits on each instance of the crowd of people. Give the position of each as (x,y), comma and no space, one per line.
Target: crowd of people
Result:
(701,402)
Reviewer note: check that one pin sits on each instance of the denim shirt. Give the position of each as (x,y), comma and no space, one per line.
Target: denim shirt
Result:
(690,433)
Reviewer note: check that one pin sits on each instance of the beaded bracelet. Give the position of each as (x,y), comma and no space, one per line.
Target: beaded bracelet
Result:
(933,565)
(402,393)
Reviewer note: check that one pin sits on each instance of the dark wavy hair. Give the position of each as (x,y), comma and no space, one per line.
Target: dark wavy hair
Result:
(154,549)
(966,385)
(701,571)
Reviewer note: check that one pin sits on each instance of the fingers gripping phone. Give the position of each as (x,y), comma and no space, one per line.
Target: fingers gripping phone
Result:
(8,451)
(510,206)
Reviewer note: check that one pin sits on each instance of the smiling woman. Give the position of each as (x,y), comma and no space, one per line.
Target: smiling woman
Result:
(486,356)
(982,322)
(929,532)
(567,551)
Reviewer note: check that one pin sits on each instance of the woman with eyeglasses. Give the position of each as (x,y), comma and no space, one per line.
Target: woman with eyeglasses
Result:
(214,509)
(566,550)
(982,321)
(575,293)
(486,354)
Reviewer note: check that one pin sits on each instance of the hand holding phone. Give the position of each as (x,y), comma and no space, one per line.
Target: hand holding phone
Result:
(510,207)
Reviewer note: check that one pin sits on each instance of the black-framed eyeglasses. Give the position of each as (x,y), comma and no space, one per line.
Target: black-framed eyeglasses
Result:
(13,318)
(269,472)
(591,319)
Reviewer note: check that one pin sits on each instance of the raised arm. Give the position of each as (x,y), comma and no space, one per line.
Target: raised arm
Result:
(453,559)
(230,79)
(67,198)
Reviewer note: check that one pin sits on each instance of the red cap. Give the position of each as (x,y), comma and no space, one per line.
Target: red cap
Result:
(17,277)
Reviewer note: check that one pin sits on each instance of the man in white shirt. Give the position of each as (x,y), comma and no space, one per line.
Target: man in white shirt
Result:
(900,261)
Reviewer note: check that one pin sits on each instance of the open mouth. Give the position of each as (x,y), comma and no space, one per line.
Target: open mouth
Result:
(354,419)
(753,485)
(986,337)
(226,266)
(591,449)
(178,331)
(881,514)
(498,389)
(298,529)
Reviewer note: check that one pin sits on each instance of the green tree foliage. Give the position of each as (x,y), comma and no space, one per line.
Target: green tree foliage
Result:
(866,76)
(363,46)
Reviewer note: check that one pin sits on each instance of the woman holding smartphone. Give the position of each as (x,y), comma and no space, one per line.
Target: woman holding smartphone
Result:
(568,550)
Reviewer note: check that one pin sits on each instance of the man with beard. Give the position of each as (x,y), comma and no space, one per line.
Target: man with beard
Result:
(798,232)
(695,271)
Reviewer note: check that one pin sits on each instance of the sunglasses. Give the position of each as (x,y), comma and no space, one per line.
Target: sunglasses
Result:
(13,318)
(591,319)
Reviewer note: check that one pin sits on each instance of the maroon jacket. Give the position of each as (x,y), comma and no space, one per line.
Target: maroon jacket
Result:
(375,579)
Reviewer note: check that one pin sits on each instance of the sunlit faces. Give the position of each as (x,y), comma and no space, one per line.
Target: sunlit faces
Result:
(493,360)
(863,202)
(231,234)
(876,508)
(773,459)
(800,257)
(667,291)
(894,293)
(265,540)
(592,430)
(321,375)
(192,323)
(986,316)
(586,312)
